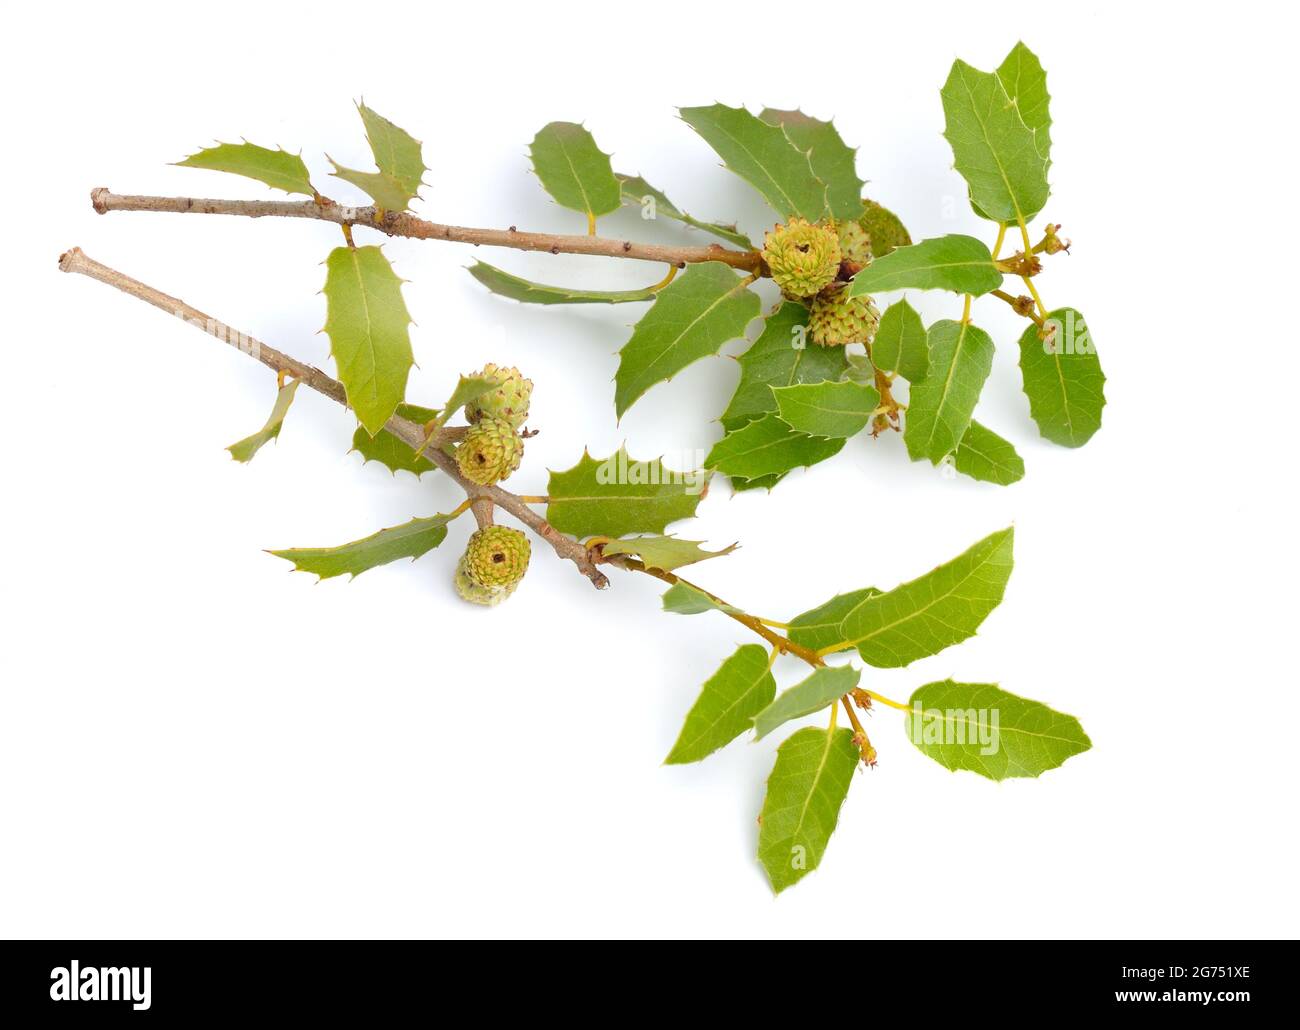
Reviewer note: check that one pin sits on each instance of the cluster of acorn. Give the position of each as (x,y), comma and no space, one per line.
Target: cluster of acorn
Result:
(813,262)
(496,557)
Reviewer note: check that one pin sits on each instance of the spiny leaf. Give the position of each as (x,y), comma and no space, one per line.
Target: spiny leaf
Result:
(993,149)
(985,456)
(617,496)
(574,170)
(739,485)
(764,156)
(725,709)
(819,627)
(804,793)
(934,611)
(636,193)
(522,290)
(399,158)
(835,410)
(962,264)
(1063,379)
(277,168)
(1025,81)
(824,687)
(941,404)
(391,452)
(468,388)
(690,319)
(247,447)
(983,729)
(767,447)
(833,161)
(779,357)
(663,552)
(411,540)
(885,228)
(685,599)
(900,345)
(367,326)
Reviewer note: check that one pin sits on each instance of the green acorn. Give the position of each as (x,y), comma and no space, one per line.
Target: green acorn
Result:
(802,257)
(841,319)
(473,592)
(855,244)
(491,450)
(497,556)
(509,401)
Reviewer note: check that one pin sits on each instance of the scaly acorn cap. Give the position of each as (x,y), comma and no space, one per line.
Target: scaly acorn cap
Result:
(491,450)
(855,243)
(509,401)
(840,319)
(473,592)
(803,257)
(497,556)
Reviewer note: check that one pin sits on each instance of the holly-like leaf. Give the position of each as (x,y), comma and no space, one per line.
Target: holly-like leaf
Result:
(764,156)
(686,599)
(399,158)
(411,540)
(250,445)
(985,456)
(824,687)
(819,627)
(574,171)
(804,793)
(391,452)
(617,496)
(779,357)
(836,410)
(962,264)
(1063,379)
(983,729)
(690,319)
(653,202)
(725,709)
(941,404)
(885,228)
(934,611)
(767,447)
(900,345)
(277,168)
(833,161)
(1025,81)
(367,326)
(993,149)
(663,552)
(507,285)
(468,388)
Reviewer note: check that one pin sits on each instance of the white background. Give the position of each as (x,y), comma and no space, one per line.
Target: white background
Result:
(196,742)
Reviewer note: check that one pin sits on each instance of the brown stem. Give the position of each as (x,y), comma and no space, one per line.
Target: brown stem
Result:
(403,223)
(410,433)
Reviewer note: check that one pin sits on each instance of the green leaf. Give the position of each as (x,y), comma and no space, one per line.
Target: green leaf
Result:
(941,404)
(993,149)
(725,709)
(739,485)
(819,627)
(934,611)
(367,326)
(468,388)
(804,793)
(575,171)
(617,496)
(686,599)
(391,452)
(985,456)
(764,156)
(962,264)
(1063,379)
(522,290)
(779,357)
(247,447)
(1025,82)
(900,345)
(983,729)
(767,447)
(824,687)
(636,192)
(663,552)
(833,161)
(690,319)
(277,168)
(411,540)
(885,228)
(399,158)
(836,410)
